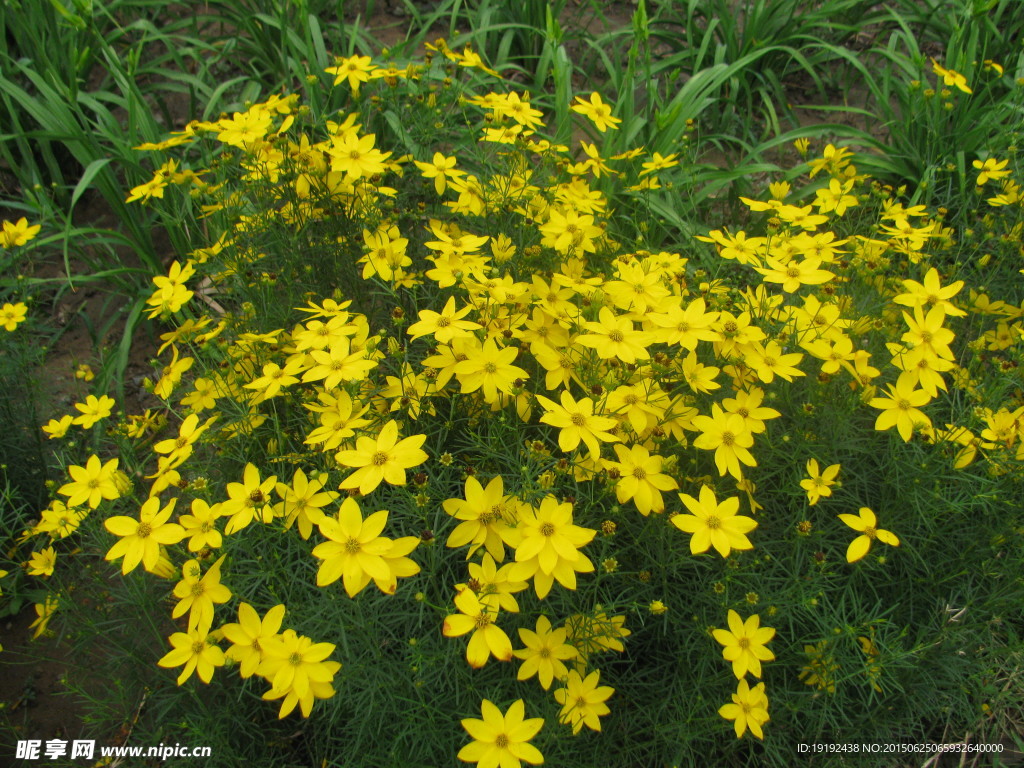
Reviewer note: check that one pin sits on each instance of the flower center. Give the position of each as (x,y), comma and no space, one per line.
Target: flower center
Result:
(547,529)
(578,419)
(380,459)
(713,522)
(144,530)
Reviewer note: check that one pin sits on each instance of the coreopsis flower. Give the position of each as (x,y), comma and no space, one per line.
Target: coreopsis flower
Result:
(57,428)
(356,70)
(444,325)
(685,327)
(794,274)
(294,662)
(44,612)
(727,435)
(440,169)
(42,563)
(17,233)
(714,525)
(249,634)
(58,520)
(316,690)
(486,515)
(900,408)
(550,545)
(749,709)
(951,77)
(640,478)
(769,361)
(744,644)
(613,336)
(302,502)
(570,232)
(866,523)
(198,592)
(545,653)
(491,370)
(577,423)
(188,433)
(355,550)
(927,331)
(247,499)
(583,701)
(91,483)
(595,110)
(92,410)
(196,652)
(819,483)
(494,585)
(501,740)
(141,539)
(274,380)
(931,293)
(11,315)
(383,459)
(479,617)
(990,169)
(201,526)
(356,156)
(243,129)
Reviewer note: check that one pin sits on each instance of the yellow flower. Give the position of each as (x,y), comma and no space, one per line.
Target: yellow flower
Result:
(714,524)
(294,662)
(17,234)
(549,548)
(727,435)
(990,169)
(577,423)
(613,336)
(749,709)
(595,110)
(302,501)
(247,499)
(545,653)
(583,701)
(91,483)
(355,69)
(440,169)
(92,410)
(501,740)
(485,515)
(744,644)
(43,562)
(58,520)
(819,484)
(57,428)
(900,408)
(197,594)
(491,370)
(196,652)
(867,524)
(640,478)
(44,612)
(201,526)
(383,459)
(248,635)
(355,548)
(12,314)
(444,326)
(478,617)
(141,539)
(951,77)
